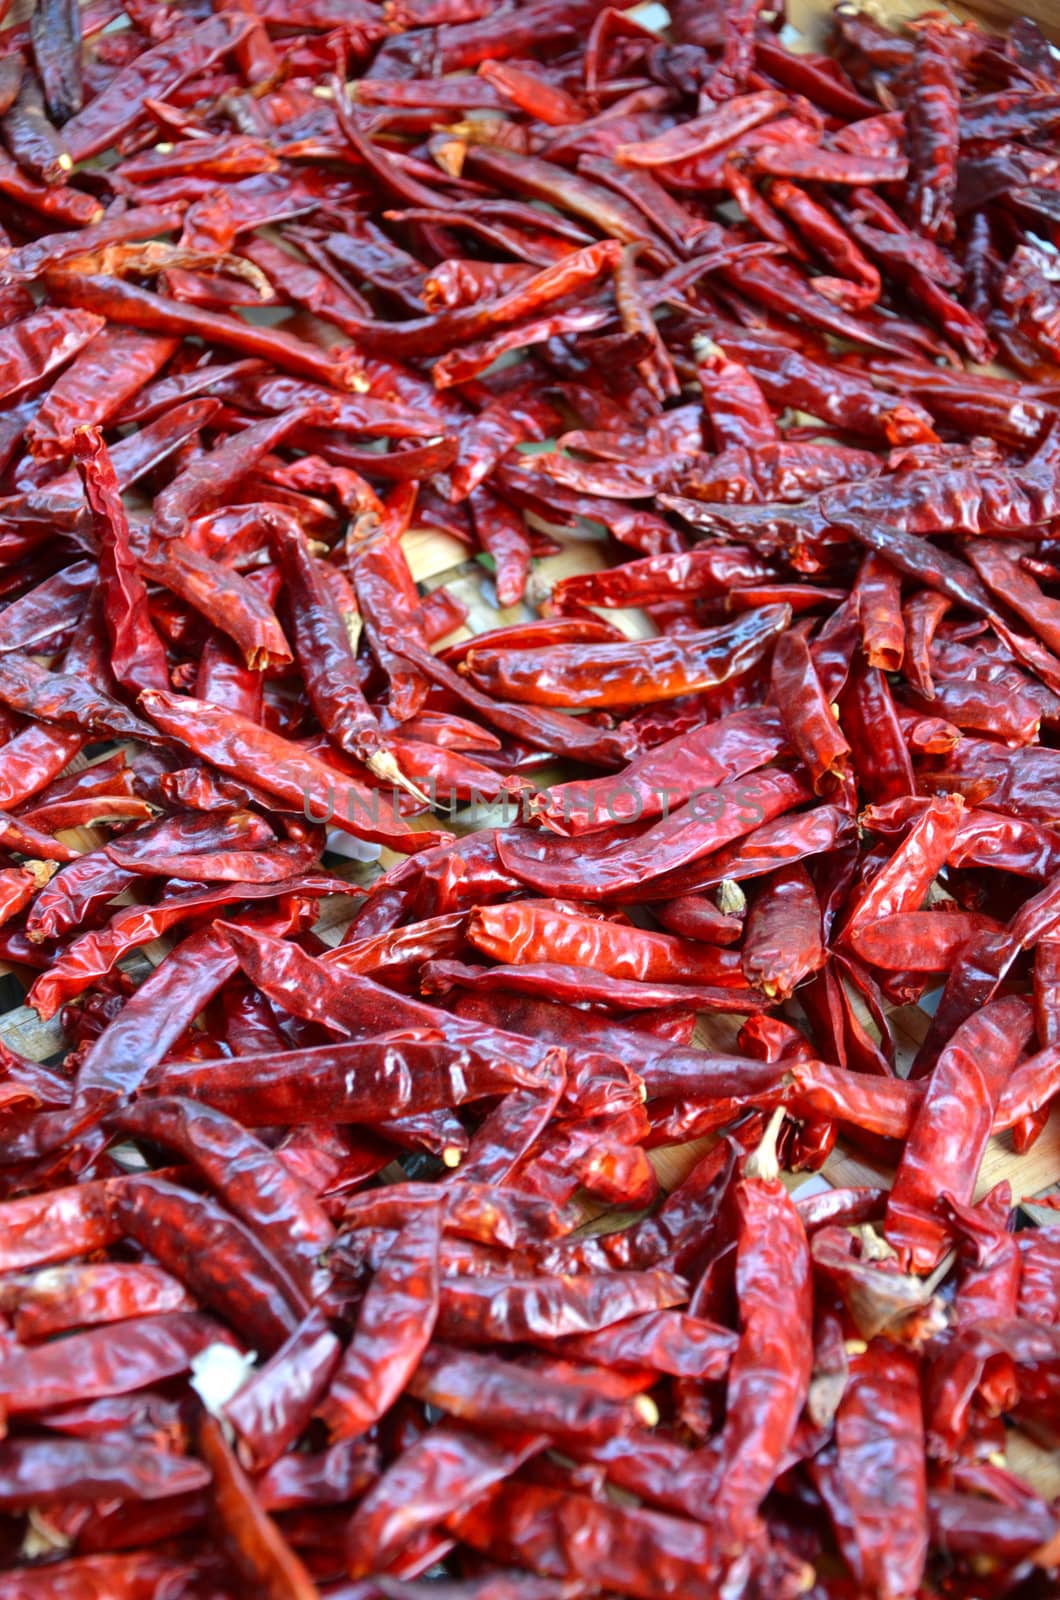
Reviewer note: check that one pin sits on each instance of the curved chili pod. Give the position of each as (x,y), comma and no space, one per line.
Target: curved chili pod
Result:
(394,1325)
(35,1469)
(277,1402)
(243,749)
(247,1176)
(218,1257)
(105,1361)
(259,1552)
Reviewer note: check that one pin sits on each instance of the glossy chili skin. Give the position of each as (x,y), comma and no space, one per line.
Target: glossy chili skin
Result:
(619,859)
(90,957)
(846,400)
(241,748)
(511,1131)
(321,639)
(394,1326)
(587,675)
(448,1469)
(61,697)
(573,983)
(78,1469)
(572,1536)
(771,1365)
(207,479)
(905,879)
(366,1081)
(258,1550)
(953,1125)
(783,942)
(98,1363)
(245,1174)
(57,1300)
(276,1406)
(393,618)
(806,714)
(56,1225)
(655,783)
(120,302)
(216,1255)
(537,931)
(160,1010)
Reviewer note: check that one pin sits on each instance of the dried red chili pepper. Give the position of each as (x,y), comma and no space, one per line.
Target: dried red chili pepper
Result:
(325,654)
(476,1311)
(788,375)
(55,32)
(352,1005)
(247,1176)
(882,1105)
(136,1576)
(338,1476)
(510,1131)
(530,931)
(32,690)
(968,1078)
(566,1535)
(359,1081)
(393,618)
(303,782)
(472,1211)
(783,942)
(113,367)
(575,983)
(259,1551)
(56,202)
(57,1300)
(275,1406)
(157,72)
(499,1394)
(105,1361)
(445,1471)
(123,303)
(933,133)
(919,941)
(32,1469)
(618,861)
(879,1439)
(668,1341)
(208,479)
(57,1225)
(35,344)
(763,1410)
(662,778)
(394,1326)
(990,1256)
(138,659)
(806,714)
(218,1257)
(19,884)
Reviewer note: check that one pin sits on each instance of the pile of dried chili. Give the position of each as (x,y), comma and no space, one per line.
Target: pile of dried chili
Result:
(297,1295)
